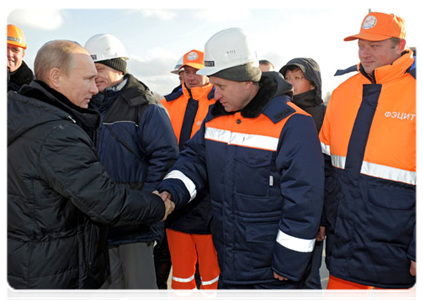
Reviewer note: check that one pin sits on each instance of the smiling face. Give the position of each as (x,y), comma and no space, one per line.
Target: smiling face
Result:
(79,85)
(377,54)
(107,77)
(15,56)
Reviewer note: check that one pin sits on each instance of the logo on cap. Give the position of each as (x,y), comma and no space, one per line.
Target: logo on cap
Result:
(370,22)
(209,63)
(192,55)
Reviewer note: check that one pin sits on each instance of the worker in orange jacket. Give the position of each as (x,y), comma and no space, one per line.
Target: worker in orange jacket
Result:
(369,141)
(188,231)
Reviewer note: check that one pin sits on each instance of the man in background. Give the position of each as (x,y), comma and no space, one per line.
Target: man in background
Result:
(136,146)
(17,70)
(188,231)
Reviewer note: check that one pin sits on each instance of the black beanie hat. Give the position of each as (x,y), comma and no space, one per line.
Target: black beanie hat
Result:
(118,64)
(246,72)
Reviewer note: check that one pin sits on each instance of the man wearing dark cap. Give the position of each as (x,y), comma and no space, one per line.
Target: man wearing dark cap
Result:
(368,138)
(260,155)
(136,145)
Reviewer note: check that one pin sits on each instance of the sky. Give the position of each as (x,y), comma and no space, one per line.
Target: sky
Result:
(156,37)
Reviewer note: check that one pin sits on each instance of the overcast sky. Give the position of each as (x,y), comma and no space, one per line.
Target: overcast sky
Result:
(156,37)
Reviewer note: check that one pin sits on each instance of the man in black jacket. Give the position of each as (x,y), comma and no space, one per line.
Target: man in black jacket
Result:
(18,73)
(60,198)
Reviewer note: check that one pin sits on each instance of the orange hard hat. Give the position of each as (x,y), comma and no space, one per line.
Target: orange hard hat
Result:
(15,36)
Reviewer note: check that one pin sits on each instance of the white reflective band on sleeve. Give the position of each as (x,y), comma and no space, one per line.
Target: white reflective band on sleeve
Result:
(211,296)
(242,139)
(388,173)
(189,279)
(210,281)
(294,243)
(338,161)
(325,148)
(190,186)
(184,294)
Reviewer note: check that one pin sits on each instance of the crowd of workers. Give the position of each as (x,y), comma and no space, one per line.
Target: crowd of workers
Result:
(236,179)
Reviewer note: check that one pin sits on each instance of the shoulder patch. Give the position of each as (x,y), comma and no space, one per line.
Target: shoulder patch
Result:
(279,116)
(278,109)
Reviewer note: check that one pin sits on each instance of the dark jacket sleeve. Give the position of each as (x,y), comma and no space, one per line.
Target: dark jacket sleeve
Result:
(159,144)
(300,162)
(71,167)
(189,174)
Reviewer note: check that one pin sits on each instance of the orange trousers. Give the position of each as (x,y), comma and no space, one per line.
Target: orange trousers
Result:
(339,289)
(185,249)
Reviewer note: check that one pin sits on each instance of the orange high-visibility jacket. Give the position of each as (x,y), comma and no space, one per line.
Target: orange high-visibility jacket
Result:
(369,141)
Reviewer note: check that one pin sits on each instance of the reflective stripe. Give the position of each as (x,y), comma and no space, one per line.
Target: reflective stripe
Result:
(388,173)
(325,148)
(338,161)
(13,39)
(189,185)
(184,294)
(189,279)
(211,296)
(380,171)
(210,281)
(294,243)
(242,139)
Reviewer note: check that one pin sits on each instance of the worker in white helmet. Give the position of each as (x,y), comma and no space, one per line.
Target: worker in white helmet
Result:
(260,156)
(136,145)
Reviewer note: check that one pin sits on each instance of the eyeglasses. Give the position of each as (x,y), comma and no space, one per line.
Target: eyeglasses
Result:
(296,78)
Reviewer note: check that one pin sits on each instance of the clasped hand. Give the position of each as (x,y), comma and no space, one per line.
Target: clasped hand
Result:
(169,205)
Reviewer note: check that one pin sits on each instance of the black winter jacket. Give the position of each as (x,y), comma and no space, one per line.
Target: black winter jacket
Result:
(60,198)
(23,75)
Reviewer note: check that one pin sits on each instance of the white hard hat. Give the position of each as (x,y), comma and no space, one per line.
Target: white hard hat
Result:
(226,49)
(105,46)
(177,67)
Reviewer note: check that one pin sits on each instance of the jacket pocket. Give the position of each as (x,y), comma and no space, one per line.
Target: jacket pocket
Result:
(261,239)
(252,172)
(391,214)
(394,198)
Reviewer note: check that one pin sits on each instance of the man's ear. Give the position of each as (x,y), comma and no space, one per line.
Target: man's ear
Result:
(54,77)
(401,45)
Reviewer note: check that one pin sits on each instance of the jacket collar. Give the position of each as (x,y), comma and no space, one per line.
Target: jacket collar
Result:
(199,93)
(86,118)
(389,72)
(271,84)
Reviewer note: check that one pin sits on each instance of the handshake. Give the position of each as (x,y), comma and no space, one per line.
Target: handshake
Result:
(169,205)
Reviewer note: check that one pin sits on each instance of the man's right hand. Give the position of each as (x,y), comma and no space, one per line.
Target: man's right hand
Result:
(169,205)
